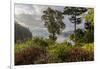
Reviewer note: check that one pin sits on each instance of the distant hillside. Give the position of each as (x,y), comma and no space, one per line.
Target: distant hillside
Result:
(21,33)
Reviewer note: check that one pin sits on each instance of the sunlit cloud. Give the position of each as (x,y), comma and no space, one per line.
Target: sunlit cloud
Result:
(23,9)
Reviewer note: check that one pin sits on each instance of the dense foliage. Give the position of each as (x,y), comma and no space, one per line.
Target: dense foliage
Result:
(31,52)
(53,22)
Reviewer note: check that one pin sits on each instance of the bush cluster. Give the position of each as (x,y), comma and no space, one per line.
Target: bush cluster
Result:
(40,51)
(31,55)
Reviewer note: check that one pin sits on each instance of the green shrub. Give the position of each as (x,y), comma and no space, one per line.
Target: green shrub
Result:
(35,42)
(57,53)
(21,46)
(40,41)
(50,42)
(89,47)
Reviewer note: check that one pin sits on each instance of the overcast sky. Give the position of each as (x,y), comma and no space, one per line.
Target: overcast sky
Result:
(29,15)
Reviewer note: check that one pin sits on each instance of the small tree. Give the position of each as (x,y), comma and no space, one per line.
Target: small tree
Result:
(74,13)
(89,26)
(53,21)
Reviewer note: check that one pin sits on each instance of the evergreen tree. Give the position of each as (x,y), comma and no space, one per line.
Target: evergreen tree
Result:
(74,13)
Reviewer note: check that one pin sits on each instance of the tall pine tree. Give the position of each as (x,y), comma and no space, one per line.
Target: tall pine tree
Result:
(74,13)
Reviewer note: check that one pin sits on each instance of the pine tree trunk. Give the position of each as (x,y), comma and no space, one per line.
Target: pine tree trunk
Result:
(75,31)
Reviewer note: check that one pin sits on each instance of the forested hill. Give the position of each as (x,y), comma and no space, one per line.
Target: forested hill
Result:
(21,33)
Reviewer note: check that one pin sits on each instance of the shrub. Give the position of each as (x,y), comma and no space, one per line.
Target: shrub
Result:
(35,42)
(57,53)
(40,42)
(30,55)
(79,54)
(63,53)
(31,52)
(50,42)
(89,47)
